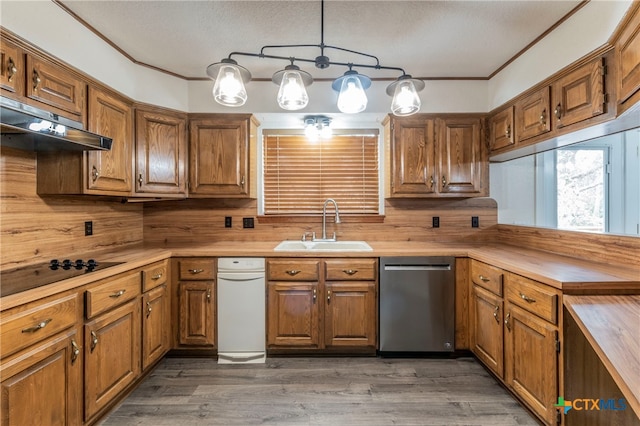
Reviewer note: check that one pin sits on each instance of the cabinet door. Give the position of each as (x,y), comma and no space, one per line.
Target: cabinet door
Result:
(532,115)
(12,68)
(628,58)
(502,129)
(197,313)
(56,87)
(156,323)
(110,171)
(579,95)
(219,158)
(43,385)
(460,156)
(293,314)
(112,355)
(350,314)
(531,361)
(487,329)
(412,157)
(161,152)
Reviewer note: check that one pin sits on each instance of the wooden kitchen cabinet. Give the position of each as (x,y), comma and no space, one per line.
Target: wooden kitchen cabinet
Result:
(436,156)
(12,69)
(160,153)
(219,155)
(533,115)
(43,384)
(628,60)
(487,330)
(323,305)
(156,324)
(196,303)
(502,129)
(111,355)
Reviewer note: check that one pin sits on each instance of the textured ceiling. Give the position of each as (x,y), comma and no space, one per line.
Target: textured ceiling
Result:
(429,39)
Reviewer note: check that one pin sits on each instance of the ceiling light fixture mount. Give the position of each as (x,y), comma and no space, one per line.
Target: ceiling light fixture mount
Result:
(230,78)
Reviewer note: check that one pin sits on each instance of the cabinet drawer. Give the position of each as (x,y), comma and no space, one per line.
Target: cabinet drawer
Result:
(196,269)
(487,276)
(293,270)
(112,292)
(23,326)
(534,297)
(154,275)
(351,269)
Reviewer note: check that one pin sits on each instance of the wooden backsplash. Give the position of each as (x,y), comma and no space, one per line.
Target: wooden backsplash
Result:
(202,221)
(35,229)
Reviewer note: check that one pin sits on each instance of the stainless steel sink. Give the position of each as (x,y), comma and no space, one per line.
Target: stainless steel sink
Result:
(328,246)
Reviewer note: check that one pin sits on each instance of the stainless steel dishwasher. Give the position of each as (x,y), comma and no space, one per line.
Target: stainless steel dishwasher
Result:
(417,311)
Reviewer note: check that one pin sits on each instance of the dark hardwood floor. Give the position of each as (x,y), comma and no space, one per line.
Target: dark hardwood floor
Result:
(320,391)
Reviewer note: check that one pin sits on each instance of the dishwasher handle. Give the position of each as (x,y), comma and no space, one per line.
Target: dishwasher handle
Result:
(240,276)
(434,267)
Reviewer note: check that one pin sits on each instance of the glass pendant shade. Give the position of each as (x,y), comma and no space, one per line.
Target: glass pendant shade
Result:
(229,88)
(292,94)
(352,98)
(405,99)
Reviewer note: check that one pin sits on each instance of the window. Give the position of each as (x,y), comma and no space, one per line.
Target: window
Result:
(299,175)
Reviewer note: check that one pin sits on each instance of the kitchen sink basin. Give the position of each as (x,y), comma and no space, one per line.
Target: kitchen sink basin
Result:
(332,246)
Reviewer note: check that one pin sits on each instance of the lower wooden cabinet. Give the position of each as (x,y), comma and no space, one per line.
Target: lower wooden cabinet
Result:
(43,385)
(197,313)
(156,320)
(306,311)
(487,329)
(112,355)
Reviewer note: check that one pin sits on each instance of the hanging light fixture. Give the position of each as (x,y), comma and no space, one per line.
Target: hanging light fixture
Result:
(230,79)
(293,84)
(405,95)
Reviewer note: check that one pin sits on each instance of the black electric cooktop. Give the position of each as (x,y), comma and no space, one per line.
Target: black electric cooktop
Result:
(29,277)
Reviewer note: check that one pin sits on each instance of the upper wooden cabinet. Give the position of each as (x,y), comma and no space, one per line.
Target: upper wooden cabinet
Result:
(532,115)
(628,60)
(436,157)
(502,129)
(219,155)
(55,86)
(160,153)
(12,69)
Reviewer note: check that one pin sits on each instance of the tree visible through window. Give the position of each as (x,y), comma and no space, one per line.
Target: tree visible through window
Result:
(581,189)
(299,175)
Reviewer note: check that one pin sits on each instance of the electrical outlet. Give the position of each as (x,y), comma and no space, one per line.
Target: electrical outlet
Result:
(88,228)
(435,221)
(247,222)
(475,222)
(227,221)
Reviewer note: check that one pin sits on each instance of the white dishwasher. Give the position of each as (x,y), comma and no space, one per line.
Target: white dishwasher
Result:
(241,310)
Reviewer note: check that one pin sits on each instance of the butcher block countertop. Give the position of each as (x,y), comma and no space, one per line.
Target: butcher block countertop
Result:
(562,272)
(611,325)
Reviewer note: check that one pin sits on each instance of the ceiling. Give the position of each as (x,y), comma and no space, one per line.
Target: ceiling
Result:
(429,39)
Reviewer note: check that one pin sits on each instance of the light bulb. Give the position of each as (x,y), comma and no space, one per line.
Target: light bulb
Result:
(292,94)
(229,89)
(352,98)
(405,99)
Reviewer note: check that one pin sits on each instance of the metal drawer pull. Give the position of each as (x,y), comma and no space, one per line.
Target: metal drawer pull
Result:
(117,294)
(293,272)
(507,132)
(94,174)
(157,276)
(75,351)
(431,181)
(328,296)
(484,279)
(37,327)
(94,340)
(148,309)
(11,69)
(558,111)
(36,80)
(506,321)
(196,271)
(444,181)
(526,298)
(495,314)
(543,117)
(350,271)
(315,296)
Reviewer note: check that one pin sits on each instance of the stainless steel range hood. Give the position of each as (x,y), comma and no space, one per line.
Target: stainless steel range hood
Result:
(33,129)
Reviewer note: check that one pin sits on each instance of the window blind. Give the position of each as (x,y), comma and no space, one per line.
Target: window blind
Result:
(300,175)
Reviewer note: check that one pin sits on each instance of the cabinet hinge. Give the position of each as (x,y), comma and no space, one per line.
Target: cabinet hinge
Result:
(558,417)
(557,342)
(603,70)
